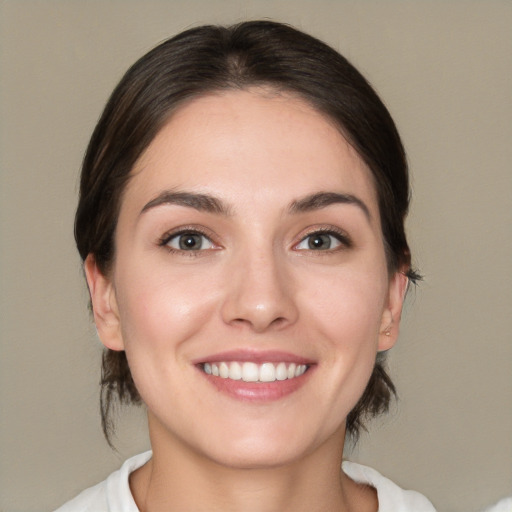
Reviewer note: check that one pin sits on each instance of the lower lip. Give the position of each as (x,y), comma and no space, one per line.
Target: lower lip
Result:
(258,391)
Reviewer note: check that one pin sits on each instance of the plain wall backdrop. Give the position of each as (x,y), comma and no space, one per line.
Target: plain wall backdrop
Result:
(444,69)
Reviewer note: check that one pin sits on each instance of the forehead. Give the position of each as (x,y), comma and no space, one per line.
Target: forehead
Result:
(248,144)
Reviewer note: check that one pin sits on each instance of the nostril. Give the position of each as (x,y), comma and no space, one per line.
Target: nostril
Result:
(260,324)
(278,321)
(258,307)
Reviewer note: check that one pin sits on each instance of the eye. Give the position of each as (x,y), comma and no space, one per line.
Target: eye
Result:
(322,241)
(188,241)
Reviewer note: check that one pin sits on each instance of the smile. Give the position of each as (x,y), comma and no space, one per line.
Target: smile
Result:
(253,372)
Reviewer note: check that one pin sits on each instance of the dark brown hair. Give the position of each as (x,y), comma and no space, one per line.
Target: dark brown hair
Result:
(214,58)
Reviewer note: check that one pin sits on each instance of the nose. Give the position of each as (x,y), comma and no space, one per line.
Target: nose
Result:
(259,293)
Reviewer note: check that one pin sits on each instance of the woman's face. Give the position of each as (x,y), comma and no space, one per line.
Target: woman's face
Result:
(250,288)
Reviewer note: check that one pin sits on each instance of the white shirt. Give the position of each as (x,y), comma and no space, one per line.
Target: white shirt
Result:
(504,505)
(114,495)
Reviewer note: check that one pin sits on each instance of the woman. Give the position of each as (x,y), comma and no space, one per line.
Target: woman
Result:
(241,222)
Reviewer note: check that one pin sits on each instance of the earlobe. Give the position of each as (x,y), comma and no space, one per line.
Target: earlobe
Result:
(104,305)
(390,323)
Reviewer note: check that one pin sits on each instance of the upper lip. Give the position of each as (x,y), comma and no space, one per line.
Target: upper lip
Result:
(254,356)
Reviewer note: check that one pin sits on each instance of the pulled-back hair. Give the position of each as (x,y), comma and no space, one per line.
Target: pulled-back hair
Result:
(208,59)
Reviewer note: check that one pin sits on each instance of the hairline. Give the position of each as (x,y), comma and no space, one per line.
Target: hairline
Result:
(268,89)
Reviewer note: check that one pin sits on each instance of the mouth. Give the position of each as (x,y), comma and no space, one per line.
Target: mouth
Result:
(248,371)
(256,376)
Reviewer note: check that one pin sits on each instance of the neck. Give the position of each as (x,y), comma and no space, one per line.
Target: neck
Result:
(178,478)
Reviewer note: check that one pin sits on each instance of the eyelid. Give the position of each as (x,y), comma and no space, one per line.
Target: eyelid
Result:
(188,229)
(340,235)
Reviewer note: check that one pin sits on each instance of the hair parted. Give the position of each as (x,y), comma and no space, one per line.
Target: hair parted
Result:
(206,60)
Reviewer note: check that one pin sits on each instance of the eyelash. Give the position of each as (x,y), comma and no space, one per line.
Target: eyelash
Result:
(167,237)
(340,236)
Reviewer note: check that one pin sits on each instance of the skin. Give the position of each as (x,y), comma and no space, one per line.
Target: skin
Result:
(256,284)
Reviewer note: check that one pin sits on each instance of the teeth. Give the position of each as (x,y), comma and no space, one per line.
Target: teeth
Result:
(267,372)
(301,368)
(252,372)
(235,371)
(223,370)
(281,371)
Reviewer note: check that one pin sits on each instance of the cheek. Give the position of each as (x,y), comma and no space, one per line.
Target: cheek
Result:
(162,308)
(345,315)
(347,306)
(160,313)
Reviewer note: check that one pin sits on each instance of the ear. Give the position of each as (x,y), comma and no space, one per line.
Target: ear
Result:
(390,322)
(104,305)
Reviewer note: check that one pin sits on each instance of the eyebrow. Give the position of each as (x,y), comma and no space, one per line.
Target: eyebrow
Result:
(211,204)
(200,202)
(323,199)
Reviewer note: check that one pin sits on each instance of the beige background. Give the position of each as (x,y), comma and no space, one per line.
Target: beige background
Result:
(443,68)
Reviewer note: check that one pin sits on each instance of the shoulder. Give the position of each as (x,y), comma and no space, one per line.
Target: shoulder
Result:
(505,505)
(94,498)
(391,497)
(112,494)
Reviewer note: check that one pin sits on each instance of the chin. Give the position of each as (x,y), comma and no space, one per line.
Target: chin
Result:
(262,449)
(252,457)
